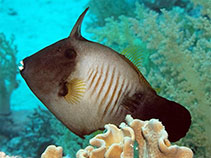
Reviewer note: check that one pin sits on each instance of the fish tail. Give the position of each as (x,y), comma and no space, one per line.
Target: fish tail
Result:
(174,117)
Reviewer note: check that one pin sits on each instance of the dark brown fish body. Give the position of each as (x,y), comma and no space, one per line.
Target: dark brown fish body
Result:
(86,85)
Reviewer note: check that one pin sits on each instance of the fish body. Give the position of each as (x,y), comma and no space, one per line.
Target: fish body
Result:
(106,82)
(87,85)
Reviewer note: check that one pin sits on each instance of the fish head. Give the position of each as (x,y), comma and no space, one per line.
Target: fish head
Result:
(46,71)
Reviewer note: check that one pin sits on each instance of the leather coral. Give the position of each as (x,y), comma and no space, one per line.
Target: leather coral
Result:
(151,137)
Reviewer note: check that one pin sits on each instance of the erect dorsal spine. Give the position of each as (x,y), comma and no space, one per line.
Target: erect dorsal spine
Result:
(76,31)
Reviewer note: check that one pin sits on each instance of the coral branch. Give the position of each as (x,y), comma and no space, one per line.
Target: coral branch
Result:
(8,72)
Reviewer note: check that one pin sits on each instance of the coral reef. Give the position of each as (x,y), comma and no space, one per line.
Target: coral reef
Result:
(33,138)
(159,4)
(176,50)
(12,125)
(37,129)
(205,4)
(8,72)
(101,9)
(150,135)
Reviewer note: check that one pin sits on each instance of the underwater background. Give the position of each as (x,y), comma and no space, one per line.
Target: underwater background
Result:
(170,40)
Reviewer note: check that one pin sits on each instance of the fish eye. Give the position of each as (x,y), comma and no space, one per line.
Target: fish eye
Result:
(59,49)
(63,89)
(70,53)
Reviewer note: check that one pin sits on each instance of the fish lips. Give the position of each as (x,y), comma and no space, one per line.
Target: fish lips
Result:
(23,66)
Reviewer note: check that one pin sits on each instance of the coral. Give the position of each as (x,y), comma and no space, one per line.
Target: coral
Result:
(3,155)
(182,49)
(176,50)
(113,143)
(206,10)
(159,4)
(52,152)
(34,138)
(12,125)
(8,72)
(101,9)
(119,142)
(150,135)
(153,140)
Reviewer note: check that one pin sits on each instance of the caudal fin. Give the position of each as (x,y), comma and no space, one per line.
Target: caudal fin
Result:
(174,117)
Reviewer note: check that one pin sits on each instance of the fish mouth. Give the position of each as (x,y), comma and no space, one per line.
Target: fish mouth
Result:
(21,67)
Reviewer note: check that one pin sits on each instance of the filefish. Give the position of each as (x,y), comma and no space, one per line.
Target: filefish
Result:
(87,85)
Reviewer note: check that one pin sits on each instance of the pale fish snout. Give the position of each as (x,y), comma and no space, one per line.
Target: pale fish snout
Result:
(21,67)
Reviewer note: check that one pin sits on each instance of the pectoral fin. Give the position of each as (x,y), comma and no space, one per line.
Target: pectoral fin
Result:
(174,117)
(76,89)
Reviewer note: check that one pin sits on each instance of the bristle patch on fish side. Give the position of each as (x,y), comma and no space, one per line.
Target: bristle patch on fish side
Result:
(76,89)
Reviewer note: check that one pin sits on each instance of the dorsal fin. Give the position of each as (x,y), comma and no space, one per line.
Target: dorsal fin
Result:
(134,60)
(134,54)
(76,31)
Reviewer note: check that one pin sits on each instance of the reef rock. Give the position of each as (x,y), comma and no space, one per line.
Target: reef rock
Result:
(117,142)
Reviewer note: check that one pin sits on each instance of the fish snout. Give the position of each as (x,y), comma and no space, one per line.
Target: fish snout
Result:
(22,65)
